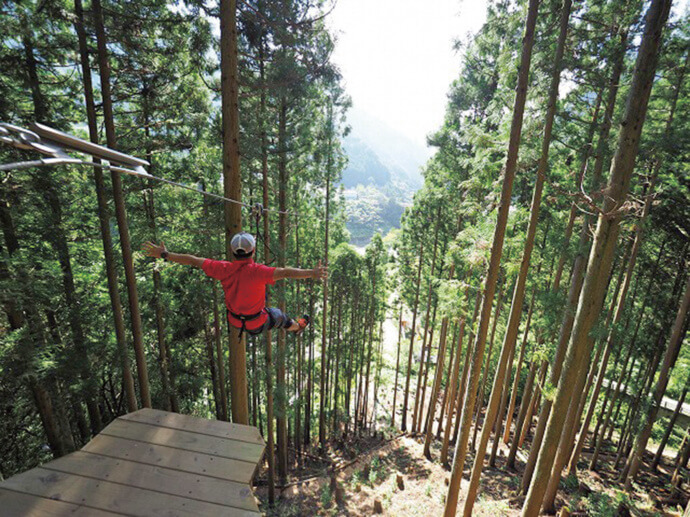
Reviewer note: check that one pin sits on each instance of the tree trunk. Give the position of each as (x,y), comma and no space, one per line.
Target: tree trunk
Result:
(324,330)
(600,430)
(403,427)
(270,459)
(516,380)
(669,430)
(417,411)
(397,369)
(219,355)
(232,188)
(601,256)
(577,276)
(466,369)
(456,383)
(58,240)
(210,356)
(299,350)
(281,387)
(631,417)
(103,215)
(427,365)
(495,260)
(677,336)
(611,339)
(525,402)
(512,328)
(120,210)
(444,401)
(437,381)
(487,366)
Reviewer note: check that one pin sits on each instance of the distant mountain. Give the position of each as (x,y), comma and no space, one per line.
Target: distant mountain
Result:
(378,153)
(364,166)
(383,172)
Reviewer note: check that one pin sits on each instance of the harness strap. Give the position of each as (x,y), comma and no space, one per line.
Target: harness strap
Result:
(244,318)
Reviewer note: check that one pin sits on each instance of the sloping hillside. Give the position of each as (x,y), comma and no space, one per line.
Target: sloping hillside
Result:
(383,172)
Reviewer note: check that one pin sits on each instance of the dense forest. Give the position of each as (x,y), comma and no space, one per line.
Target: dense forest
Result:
(554,220)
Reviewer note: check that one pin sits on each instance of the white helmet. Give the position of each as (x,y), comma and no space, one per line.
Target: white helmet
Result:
(242,244)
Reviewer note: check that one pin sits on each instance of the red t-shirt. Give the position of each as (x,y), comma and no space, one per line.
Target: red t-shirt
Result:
(244,283)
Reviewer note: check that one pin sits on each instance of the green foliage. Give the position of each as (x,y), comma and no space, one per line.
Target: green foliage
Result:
(601,504)
(325,496)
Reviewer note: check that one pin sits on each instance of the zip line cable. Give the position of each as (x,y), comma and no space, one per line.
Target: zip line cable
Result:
(55,143)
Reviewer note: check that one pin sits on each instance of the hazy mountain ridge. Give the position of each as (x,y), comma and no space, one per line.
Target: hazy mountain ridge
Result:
(383,172)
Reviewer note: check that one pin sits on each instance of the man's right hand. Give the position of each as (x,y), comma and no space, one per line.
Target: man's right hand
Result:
(154,250)
(320,272)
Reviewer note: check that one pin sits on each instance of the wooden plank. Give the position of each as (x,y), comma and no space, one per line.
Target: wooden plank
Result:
(192,486)
(167,457)
(104,495)
(243,433)
(16,504)
(185,440)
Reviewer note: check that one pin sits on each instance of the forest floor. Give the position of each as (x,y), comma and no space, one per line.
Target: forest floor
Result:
(357,475)
(373,479)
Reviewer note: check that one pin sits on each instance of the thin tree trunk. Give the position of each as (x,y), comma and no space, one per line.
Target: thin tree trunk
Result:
(437,381)
(322,396)
(466,369)
(281,387)
(677,336)
(516,380)
(270,458)
(601,256)
(219,355)
(600,430)
(669,430)
(425,381)
(397,368)
(487,366)
(415,413)
(512,328)
(120,210)
(456,383)
(495,260)
(103,215)
(210,356)
(444,401)
(403,427)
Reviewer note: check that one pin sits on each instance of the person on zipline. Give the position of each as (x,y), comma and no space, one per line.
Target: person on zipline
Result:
(244,283)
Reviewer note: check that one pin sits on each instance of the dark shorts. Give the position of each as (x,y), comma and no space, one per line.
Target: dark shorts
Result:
(276,319)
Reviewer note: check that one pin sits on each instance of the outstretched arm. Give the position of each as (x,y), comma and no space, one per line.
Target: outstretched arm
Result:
(155,250)
(319,272)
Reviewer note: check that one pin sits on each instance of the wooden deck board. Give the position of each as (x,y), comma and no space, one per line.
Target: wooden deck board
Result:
(104,495)
(167,457)
(243,433)
(227,493)
(185,440)
(18,503)
(147,463)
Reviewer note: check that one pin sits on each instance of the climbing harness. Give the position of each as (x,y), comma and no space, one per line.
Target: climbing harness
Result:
(244,318)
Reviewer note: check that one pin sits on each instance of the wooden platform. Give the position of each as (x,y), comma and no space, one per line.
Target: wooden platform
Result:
(146,463)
